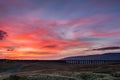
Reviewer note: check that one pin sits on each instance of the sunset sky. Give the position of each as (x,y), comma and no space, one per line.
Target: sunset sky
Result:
(54,29)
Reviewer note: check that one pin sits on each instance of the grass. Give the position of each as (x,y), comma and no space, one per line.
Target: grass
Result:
(86,76)
(6,66)
(75,76)
(59,71)
(14,77)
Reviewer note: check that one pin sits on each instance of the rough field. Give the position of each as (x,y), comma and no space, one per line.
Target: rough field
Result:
(58,71)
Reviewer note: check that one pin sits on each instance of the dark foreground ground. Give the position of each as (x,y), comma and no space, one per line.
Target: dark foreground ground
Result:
(58,71)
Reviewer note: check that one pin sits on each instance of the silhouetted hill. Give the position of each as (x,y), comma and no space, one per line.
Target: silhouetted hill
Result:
(105,56)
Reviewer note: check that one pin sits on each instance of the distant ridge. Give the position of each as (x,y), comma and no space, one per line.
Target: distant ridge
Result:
(105,56)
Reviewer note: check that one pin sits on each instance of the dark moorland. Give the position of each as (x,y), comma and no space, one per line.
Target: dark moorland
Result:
(57,70)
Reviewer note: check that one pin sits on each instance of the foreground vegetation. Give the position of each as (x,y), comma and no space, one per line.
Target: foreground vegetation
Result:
(59,71)
(77,76)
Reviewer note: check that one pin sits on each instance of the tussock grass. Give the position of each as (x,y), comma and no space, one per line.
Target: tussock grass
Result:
(75,76)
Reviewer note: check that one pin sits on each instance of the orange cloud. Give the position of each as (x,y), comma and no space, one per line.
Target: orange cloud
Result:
(43,39)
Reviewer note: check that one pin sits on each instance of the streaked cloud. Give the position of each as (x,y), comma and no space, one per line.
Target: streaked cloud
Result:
(53,29)
(107,48)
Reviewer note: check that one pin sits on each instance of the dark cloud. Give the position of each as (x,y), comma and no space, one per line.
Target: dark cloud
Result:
(107,48)
(11,48)
(3,34)
(33,52)
(50,46)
